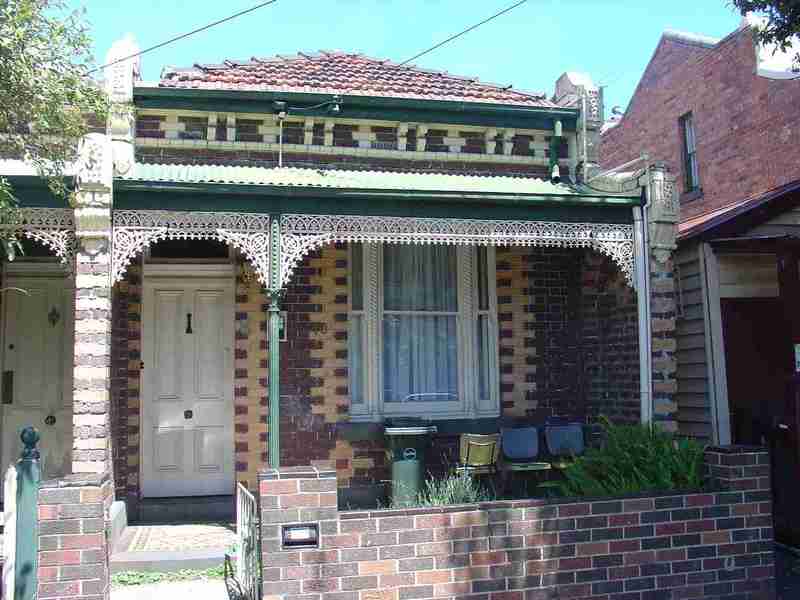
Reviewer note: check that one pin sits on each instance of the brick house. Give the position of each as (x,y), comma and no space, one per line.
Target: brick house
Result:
(722,114)
(287,251)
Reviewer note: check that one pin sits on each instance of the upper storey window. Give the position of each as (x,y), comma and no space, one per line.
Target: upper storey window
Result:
(690,170)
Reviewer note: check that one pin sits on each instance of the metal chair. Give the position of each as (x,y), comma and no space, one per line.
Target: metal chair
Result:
(478,454)
(520,452)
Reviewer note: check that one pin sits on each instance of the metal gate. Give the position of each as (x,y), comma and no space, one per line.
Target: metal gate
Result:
(244,579)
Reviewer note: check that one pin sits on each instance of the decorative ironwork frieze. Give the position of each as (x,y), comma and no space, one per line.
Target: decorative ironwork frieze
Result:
(300,234)
(135,230)
(52,227)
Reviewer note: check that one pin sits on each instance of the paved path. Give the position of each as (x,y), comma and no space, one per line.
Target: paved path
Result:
(213,589)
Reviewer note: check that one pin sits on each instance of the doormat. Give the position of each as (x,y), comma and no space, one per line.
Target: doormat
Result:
(204,536)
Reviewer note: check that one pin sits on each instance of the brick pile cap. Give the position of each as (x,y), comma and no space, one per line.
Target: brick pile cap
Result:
(338,72)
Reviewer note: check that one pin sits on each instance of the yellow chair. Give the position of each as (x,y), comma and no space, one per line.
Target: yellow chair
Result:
(478,454)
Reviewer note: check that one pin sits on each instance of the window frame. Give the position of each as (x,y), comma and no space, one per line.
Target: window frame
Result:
(691,168)
(470,405)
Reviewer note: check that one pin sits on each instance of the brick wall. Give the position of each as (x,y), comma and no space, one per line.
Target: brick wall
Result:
(747,127)
(250,401)
(73,546)
(698,545)
(610,344)
(125,385)
(549,356)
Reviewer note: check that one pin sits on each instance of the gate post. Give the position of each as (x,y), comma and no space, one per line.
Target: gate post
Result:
(27,528)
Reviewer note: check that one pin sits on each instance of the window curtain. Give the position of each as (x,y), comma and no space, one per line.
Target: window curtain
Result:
(420,341)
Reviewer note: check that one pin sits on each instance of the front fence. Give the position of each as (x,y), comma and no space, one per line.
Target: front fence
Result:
(21,523)
(246,583)
(709,544)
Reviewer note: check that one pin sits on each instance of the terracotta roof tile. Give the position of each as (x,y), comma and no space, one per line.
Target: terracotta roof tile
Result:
(345,73)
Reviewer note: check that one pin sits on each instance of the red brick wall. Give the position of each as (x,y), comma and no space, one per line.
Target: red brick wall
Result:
(73,544)
(747,127)
(696,545)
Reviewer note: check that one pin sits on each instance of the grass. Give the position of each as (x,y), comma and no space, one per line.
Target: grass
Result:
(127,578)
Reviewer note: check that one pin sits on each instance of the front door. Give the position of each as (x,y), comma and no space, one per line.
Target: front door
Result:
(36,378)
(187,420)
(758,360)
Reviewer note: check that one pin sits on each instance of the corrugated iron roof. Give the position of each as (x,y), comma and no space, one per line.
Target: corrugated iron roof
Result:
(352,73)
(353,180)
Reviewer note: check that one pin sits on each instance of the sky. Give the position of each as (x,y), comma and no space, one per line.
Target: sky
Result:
(529,47)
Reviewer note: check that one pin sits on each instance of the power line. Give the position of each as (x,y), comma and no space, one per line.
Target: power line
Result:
(458,35)
(185,35)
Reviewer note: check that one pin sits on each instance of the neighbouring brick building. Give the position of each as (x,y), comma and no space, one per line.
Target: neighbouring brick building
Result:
(267,259)
(722,115)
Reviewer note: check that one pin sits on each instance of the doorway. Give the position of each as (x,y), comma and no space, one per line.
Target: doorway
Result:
(759,362)
(187,382)
(37,363)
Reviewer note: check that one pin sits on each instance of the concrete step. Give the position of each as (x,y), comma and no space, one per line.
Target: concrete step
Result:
(195,509)
(167,561)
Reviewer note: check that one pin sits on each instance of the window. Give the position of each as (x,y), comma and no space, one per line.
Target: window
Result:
(427,343)
(691,175)
(194,128)
(247,130)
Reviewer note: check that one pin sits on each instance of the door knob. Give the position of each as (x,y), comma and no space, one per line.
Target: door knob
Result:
(50,420)
(187,414)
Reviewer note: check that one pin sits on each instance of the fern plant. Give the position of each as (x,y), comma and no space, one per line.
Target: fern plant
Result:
(634,459)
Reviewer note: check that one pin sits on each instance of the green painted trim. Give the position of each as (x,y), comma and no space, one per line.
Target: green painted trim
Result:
(340,193)
(26,557)
(399,204)
(274,344)
(360,107)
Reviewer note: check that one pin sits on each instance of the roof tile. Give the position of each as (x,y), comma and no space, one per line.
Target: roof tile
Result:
(339,72)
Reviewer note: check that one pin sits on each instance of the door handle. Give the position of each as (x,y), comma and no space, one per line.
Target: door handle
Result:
(783,426)
(188,322)
(187,414)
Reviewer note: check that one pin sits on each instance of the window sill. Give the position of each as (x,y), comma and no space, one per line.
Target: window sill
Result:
(692,195)
(363,430)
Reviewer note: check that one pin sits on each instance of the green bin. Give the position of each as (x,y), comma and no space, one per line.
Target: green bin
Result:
(407,444)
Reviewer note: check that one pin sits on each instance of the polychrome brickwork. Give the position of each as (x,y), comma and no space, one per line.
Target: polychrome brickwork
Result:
(73,545)
(250,378)
(704,545)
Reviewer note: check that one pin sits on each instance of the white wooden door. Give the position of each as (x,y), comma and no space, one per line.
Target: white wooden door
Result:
(187,420)
(36,378)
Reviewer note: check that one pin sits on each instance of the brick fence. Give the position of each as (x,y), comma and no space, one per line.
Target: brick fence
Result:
(715,544)
(73,541)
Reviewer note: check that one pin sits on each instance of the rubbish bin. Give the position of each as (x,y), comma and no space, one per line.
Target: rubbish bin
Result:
(408,440)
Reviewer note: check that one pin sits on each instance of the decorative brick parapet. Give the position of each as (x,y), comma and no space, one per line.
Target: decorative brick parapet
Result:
(73,543)
(711,544)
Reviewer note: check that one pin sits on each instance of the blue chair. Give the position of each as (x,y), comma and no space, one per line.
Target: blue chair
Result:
(520,449)
(564,442)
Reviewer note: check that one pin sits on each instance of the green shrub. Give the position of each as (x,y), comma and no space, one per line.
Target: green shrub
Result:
(453,489)
(633,459)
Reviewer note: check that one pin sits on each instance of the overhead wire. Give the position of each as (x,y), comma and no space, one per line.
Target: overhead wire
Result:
(464,32)
(186,35)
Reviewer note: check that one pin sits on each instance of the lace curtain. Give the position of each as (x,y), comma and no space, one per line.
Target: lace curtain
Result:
(420,315)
